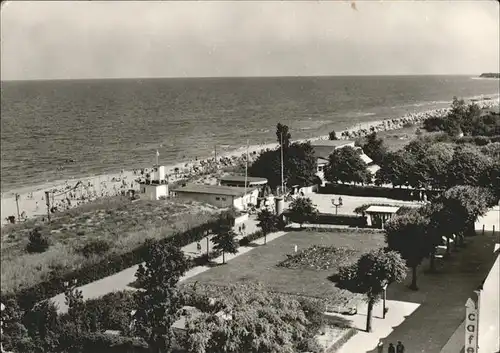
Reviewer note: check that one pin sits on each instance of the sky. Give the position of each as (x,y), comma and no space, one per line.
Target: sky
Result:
(125,39)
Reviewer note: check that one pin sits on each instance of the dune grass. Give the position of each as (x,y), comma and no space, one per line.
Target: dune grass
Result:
(122,224)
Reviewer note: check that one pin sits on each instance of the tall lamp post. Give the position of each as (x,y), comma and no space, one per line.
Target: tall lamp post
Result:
(384,307)
(498,215)
(1,329)
(337,204)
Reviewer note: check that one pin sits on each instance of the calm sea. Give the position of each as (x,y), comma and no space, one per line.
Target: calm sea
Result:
(109,125)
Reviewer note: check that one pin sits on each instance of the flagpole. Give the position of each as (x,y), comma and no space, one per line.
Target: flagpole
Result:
(282,184)
(157,155)
(246,174)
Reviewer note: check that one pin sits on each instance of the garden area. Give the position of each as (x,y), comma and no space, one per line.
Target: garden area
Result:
(34,251)
(277,268)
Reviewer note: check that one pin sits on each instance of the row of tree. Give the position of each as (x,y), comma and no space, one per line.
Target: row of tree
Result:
(422,164)
(299,162)
(413,236)
(466,119)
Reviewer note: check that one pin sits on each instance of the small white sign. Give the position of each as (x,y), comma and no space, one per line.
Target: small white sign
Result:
(471,326)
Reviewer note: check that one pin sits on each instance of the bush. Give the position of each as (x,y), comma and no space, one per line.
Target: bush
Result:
(376,191)
(108,343)
(95,247)
(341,219)
(114,263)
(38,242)
(340,342)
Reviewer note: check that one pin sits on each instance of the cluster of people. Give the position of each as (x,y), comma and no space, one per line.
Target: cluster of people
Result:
(399,348)
(69,196)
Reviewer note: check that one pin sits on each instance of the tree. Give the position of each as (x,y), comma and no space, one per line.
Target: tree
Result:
(38,242)
(370,274)
(268,222)
(283,135)
(468,167)
(437,158)
(396,169)
(248,320)
(434,231)
(493,180)
(43,324)
(462,205)
(406,234)
(345,165)
(299,165)
(15,336)
(374,147)
(224,240)
(158,304)
(302,210)
(332,135)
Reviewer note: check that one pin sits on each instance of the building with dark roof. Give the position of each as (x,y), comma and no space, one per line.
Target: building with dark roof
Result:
(219,195)
(239,181)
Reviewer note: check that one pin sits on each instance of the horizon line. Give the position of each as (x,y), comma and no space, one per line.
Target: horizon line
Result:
(225,77)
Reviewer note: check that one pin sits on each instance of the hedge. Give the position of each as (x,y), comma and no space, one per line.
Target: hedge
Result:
(341,219)
(329,218)
(108,266)
(342,340)
(343,230)
(376,191)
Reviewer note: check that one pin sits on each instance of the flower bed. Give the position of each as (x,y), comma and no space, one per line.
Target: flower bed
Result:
(319,258)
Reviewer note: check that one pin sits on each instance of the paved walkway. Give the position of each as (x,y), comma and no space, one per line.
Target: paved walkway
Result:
(363,341)
(121,280)
(425,320)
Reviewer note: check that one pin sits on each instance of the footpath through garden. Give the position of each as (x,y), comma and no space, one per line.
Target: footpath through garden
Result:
(122,280)
(424,320)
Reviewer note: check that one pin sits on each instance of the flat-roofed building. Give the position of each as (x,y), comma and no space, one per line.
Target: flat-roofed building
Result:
(239,181)
(219,195)
(379,215)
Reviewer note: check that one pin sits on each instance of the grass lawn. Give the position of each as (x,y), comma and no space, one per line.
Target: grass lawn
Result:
(261,265)
(123,224)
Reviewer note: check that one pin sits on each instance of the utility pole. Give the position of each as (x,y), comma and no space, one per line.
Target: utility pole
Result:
(282,183)
(17,206)
(47,202)
(157,163)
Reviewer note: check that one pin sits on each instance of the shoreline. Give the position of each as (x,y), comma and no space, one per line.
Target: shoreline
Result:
(32,198)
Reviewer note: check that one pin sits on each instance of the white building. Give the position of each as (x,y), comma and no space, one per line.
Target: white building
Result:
(239,181)
(379,215)
(219,195)
(157,187)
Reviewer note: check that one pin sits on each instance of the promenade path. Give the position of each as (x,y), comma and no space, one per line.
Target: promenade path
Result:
(121,280)
(424,320)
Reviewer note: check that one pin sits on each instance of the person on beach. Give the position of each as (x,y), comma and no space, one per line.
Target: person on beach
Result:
(198,247)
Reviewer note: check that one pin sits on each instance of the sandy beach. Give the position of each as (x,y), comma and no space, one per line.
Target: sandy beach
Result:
(70,193)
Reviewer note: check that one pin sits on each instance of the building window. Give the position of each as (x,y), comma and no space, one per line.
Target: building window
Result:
(223,199)
(217,198)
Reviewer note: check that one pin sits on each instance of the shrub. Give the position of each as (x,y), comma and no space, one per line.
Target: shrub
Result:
(112,264)
(38,242)
(375,191)
(314,311)
(95,247)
